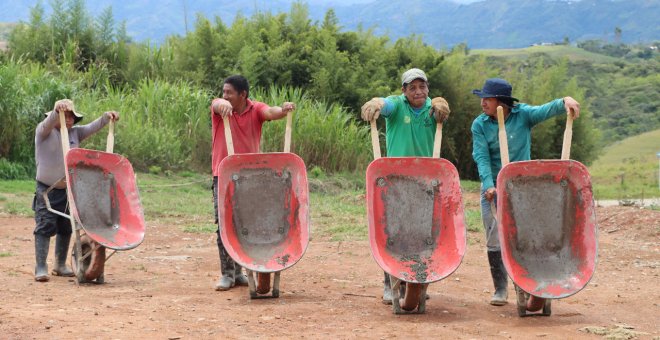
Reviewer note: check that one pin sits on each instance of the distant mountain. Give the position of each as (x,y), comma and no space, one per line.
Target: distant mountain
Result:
(441,23)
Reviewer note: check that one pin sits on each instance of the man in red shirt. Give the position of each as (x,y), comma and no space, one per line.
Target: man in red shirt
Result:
(246,118)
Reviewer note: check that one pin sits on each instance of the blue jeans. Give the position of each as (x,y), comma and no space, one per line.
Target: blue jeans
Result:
(490,223)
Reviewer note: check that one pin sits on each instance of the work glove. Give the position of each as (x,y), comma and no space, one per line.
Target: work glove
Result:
(371,109)
(440,109)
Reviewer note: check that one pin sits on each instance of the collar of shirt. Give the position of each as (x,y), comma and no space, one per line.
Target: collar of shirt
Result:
(248,107)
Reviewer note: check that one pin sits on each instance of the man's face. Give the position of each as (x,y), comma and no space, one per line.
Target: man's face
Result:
(489,105)
(69,118)
(416,92)
(232,96)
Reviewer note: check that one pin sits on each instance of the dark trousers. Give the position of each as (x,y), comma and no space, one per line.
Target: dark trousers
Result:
(46,222)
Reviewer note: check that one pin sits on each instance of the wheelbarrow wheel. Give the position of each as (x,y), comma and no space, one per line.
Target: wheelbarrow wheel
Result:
(263,283)
(412,296)
(93,262)
(84,264)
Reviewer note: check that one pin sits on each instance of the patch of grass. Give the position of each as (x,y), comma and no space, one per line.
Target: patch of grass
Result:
(17,186)
(139,267)
(628,169)
(20,207)
(340,216)
(187,199)
(470,186)
(187,174)
(473,220)
(343,232)
(16,197)
(200,229)
(6,254)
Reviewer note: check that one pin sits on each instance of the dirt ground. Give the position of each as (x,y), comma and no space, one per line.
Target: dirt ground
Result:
(163,290)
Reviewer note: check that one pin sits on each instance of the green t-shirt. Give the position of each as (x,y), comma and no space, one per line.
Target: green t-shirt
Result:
(408,133)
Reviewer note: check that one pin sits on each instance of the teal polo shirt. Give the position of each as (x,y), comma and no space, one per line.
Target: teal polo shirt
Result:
(409,132)
(519,123)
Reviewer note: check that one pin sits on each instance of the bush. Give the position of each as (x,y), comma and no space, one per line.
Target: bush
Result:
(10,170)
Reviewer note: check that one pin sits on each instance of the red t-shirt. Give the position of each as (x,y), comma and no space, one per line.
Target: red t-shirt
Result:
(245,131)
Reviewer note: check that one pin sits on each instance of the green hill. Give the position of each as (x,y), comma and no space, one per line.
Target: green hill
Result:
(555,51)
(629,168)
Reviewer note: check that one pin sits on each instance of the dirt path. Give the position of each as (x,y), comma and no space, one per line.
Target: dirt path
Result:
(163,290)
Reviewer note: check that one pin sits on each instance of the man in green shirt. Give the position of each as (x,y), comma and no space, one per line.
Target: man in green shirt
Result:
(410,122)
(518,120)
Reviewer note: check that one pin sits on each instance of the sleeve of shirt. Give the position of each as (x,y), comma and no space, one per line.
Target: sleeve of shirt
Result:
(87,130)
(389,107)
(261,109)
(481,155)
(537,114)
(47,125)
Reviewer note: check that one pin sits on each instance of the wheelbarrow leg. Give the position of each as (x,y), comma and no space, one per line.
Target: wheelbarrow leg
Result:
(547,308)
(395,283)
(252,286)
(77,261)
(521,301)
(422,299)
(276,285)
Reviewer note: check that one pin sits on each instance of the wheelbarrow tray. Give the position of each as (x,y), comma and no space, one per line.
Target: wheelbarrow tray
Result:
(263,207)
(104,199)
(547,226)
(416,222)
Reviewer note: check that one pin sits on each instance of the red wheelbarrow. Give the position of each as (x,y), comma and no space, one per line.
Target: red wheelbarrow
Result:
(416,223)
(263,207)
(104,205)
(546,225)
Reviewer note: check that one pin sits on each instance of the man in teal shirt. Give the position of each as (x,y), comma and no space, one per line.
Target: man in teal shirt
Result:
(518,120)
(410,122)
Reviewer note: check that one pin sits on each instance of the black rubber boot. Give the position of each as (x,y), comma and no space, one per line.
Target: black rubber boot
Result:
(61,253)
(227,268)
(500,279)
(239,278)
(41,245)
(387,290)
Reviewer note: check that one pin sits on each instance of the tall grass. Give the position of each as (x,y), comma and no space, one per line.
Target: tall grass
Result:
(323,134)
(27,90)
(163,124)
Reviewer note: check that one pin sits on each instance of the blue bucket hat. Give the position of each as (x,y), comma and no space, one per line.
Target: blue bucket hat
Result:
(495,88)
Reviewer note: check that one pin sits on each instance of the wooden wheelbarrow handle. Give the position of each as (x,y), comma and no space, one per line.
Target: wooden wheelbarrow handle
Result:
(110,143)
(287,132)
(228,138)
(504,151)
(568,137)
